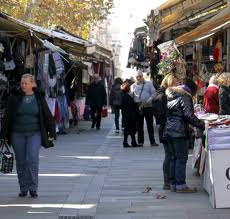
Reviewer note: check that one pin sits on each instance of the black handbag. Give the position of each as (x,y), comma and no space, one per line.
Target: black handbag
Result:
(6,158)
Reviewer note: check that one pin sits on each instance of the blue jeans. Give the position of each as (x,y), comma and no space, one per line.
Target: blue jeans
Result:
(117,110)
(179,147)
(26,148)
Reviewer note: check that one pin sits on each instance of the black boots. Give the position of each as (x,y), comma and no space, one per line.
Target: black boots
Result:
(126,145)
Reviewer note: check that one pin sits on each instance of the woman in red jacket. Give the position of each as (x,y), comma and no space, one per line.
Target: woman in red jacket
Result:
(211,96)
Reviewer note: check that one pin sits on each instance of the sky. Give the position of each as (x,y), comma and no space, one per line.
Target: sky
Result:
(128,15)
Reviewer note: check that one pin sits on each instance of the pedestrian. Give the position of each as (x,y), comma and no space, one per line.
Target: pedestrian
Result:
(28,125)
(96,98)
(129,111)
(211,96)
(180,113)
(143,92)
(224,93)
(160,101)
(116,101)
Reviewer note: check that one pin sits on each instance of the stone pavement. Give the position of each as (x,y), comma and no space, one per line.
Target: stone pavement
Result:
(91,176)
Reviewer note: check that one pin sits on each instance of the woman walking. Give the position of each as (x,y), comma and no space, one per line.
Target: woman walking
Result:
(29,124)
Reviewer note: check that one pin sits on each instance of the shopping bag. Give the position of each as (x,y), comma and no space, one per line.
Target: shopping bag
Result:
(29,62)
(6,158)
(104,112)
(87,112)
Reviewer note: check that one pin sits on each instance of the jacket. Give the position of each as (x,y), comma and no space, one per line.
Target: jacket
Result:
(160,110)
(211,99)
(224,99)
(129,113)
(46,120)
(180,113)
(115,97)
(96,95)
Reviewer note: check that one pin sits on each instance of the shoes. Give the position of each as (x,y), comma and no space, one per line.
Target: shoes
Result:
(117,131)
(126,145)
(173,188)
(22,194)
(140,144)
(134,144)
(98,128)
(33,194)
(186,190)
(62,133)
(154,144)
(166,187)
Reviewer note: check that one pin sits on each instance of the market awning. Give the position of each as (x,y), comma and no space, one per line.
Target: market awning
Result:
(99,52)
(175,12)
(11,26)
(210,27)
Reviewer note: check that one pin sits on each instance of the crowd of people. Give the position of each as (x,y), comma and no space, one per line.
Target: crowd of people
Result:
(172,105)
(29,123)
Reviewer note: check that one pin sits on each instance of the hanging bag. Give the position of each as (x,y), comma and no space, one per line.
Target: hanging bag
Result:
(29,63)
(6,158)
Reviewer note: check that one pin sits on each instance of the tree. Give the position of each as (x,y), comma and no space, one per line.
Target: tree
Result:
(73,15)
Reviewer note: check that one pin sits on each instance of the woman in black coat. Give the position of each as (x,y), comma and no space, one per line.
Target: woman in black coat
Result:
(160,104)
(28,125)
(129,112)
(180,114)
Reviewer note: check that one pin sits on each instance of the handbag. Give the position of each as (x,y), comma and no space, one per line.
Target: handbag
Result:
(6,158)
(104,112)
(29,62)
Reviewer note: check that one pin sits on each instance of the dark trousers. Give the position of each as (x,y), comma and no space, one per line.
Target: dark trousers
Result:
(147,114)
(166,163)
(126,135)
(26,148)
(117,110)
(179,159)
(96,115)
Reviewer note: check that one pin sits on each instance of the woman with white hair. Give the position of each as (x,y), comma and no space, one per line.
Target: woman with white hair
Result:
(211,96)
(224,93)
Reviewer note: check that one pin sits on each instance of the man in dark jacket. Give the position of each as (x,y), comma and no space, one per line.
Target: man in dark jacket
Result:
(180,113)
(96,98)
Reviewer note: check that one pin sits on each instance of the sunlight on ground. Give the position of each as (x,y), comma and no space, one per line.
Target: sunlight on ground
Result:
(88,157)
(56,174)
(67,206)
(39,212)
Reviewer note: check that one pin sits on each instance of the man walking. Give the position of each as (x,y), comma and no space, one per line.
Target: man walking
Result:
(96,98)
(143,93)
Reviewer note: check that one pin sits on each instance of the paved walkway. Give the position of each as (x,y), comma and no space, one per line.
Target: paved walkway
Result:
(91,176)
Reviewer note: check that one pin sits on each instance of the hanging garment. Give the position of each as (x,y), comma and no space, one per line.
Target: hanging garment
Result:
(60,68)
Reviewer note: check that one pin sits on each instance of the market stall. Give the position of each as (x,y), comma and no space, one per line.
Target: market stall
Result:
(211,158)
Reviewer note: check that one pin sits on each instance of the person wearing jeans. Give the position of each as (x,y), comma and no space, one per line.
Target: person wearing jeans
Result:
(180,114)
(115,99)
(28,126)
(26,147)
